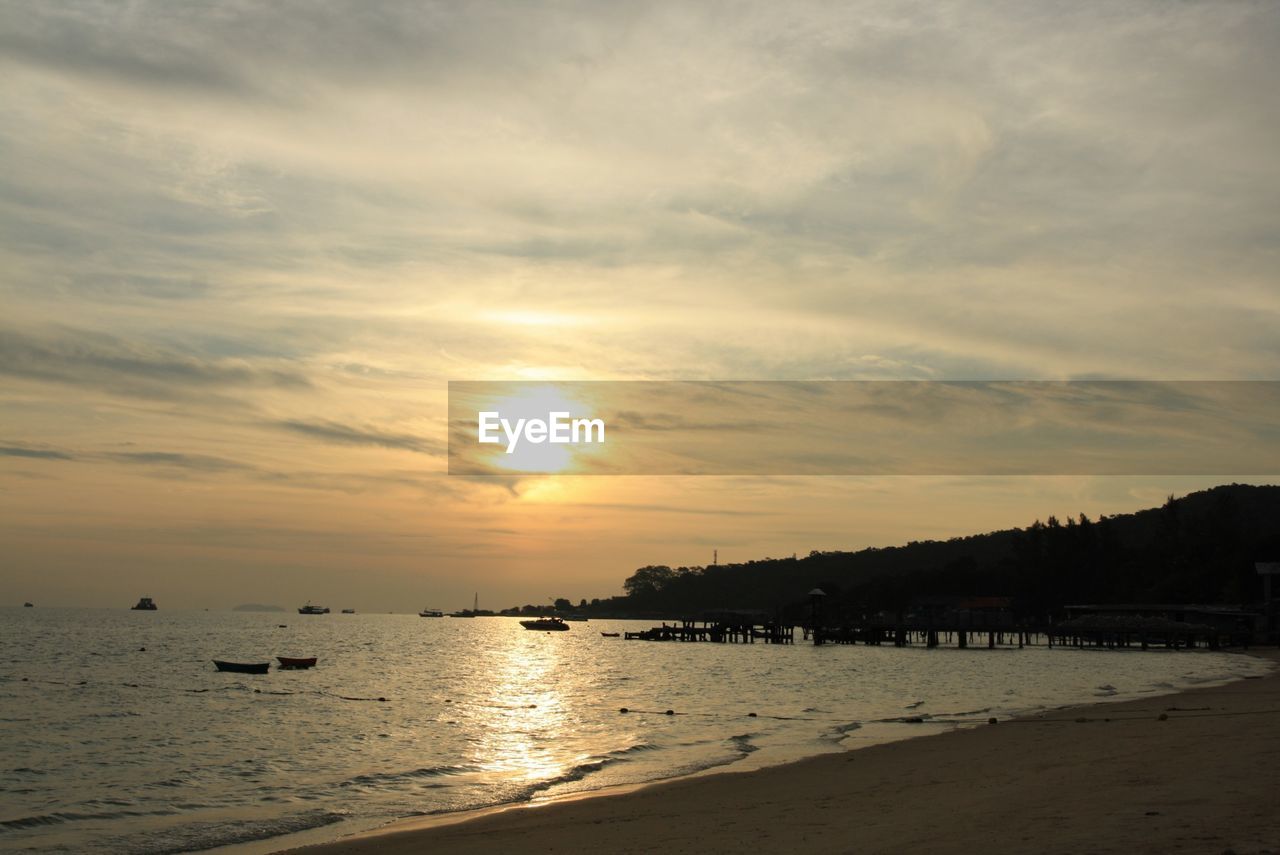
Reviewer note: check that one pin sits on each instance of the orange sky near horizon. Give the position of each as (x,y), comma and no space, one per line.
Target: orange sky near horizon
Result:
(243,250)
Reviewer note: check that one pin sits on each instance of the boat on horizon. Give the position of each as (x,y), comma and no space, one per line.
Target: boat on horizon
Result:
(545,624)
(243,667)
(576,618)
(309,609)
(292,662)
(145,604)
(430,613)
(28,606)
(348,611)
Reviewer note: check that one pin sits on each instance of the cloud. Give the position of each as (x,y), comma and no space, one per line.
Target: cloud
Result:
(34,453)
(334,432)
(130,367)
(175,460)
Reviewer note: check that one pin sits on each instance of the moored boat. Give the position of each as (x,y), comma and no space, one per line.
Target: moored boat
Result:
(309,609)
(611,634)
(145,604)
(348,611)
(243,667)
(546,624)
(294,662)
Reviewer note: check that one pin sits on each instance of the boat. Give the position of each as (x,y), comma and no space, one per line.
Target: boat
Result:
(309,609)
(430,613)
(611,634)
(545,624)
(348,611)
(291,662)
(146,604)
(243,667)
(578,618)
(28,606)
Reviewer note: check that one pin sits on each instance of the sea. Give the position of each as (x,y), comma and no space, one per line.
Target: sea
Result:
(118,735)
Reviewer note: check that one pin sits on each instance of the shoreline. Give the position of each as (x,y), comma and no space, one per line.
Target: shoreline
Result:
(1102,777)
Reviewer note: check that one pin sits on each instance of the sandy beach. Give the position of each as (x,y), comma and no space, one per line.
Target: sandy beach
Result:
(1100,778)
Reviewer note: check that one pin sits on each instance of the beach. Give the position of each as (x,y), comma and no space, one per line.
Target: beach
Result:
(1197,771)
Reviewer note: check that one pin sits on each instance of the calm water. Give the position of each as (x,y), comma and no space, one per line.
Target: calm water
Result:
(111,748)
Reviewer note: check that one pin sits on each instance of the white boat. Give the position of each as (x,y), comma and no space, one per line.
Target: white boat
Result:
(309,609)
(430,613)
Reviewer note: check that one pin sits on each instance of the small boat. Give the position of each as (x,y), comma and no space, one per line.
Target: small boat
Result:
(291,662)
(545,624)
(578,618)
(348,611)
(243,667)
(430,613)
(309,609)
(28,606)
(611,634)
(146,604)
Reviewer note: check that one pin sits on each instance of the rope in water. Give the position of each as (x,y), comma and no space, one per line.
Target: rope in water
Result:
(922,718)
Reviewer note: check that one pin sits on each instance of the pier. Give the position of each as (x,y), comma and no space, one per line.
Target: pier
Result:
(720,631)
(1135,636)
(1094,629)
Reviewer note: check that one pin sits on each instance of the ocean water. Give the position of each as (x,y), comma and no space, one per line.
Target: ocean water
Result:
(118,735)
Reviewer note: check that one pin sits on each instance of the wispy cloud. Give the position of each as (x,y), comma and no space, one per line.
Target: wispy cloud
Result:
(334,432)
(175,460)
(34,453)
(130,367)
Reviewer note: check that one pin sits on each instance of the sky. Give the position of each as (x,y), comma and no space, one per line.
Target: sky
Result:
(245,246)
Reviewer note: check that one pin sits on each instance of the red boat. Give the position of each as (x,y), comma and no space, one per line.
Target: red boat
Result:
(288,662)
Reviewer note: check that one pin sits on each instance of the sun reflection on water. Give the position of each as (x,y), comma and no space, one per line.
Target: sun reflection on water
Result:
(529,717)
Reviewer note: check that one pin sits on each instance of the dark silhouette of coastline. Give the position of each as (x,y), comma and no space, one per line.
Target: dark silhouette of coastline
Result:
(1200,548)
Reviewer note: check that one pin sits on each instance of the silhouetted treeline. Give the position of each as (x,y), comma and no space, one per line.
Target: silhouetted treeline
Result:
(1197,549)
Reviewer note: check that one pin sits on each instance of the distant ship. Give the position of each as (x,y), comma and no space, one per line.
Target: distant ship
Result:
(348,611)
(309,609)
(28,606)
(430,613)
(146,604)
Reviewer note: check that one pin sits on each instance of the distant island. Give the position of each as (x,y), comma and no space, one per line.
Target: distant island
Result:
(257,607)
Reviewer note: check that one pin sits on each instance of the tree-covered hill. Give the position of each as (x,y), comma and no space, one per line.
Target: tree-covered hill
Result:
(1197,549)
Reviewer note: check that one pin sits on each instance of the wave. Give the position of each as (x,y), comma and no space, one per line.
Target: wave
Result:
(580,772)
(376,778)
(638,747)
(196,836)
(61,817)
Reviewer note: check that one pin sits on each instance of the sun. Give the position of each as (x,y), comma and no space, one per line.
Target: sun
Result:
(533,402)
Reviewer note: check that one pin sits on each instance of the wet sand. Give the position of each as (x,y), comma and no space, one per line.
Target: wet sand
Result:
(1104,778)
